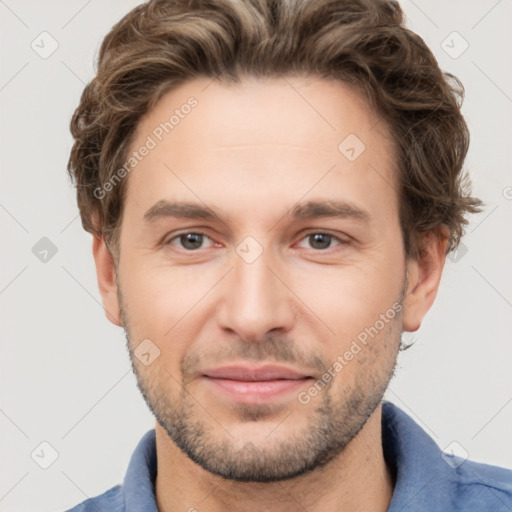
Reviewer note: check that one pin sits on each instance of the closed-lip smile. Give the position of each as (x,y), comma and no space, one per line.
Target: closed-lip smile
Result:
(252,384)
(254,373)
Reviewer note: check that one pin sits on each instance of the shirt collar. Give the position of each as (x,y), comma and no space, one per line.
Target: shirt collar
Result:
(410,453)
(139,481)
(423,477)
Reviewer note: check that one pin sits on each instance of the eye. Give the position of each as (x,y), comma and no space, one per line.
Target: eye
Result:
(322,241)
(189,241)
(193,240)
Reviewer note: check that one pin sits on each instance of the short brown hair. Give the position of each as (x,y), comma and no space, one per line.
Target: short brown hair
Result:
(164,43)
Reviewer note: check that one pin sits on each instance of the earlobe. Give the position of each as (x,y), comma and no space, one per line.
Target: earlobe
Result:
(424,277)
(105,272)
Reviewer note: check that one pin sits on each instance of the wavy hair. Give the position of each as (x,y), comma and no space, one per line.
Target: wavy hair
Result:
(163,43)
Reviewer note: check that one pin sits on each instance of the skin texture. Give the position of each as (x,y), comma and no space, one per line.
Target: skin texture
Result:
(250,153)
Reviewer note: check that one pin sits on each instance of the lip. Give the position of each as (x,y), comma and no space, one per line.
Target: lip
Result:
(255,384)
(254,373)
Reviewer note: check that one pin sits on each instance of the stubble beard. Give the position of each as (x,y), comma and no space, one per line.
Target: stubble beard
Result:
(332,422)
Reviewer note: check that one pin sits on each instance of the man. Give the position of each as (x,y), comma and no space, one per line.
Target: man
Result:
(273,187)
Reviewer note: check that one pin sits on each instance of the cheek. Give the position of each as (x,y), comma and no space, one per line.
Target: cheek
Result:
(163,302)
(350,298)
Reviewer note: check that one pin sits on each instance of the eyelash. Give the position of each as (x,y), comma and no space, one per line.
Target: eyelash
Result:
(332,237)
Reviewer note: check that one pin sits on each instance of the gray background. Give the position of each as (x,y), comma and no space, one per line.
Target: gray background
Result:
(66,376)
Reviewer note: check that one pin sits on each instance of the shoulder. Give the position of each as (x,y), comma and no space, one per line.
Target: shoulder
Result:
(111,500)
(435,480)
(137,489)
(483,484)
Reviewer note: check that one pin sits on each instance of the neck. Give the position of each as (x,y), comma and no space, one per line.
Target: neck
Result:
(358,479)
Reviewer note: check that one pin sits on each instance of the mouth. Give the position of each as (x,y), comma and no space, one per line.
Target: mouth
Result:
(250,384)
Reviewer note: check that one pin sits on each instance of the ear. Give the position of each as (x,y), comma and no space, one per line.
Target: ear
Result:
(105,272)
(424,277)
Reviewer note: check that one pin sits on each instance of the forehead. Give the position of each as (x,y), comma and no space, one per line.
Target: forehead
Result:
(260,137)
(297,109)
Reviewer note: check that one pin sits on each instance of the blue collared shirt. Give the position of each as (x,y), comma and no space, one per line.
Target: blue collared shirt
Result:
(426,478)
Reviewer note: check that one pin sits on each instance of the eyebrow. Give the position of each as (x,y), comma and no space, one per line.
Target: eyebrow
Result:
(177,209)
(309,210)
(338,209)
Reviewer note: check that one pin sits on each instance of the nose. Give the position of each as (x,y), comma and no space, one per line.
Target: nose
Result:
(256,299)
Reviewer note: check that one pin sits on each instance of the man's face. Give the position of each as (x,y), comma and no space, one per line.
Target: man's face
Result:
(266,280)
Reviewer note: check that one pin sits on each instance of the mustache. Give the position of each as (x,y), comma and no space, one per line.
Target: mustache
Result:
(271,350)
